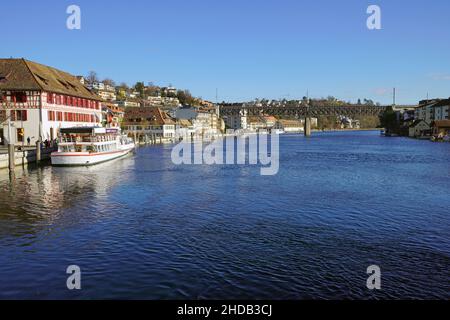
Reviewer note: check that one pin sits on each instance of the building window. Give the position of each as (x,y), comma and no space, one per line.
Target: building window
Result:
(20,134)
(24,115)
(19,97)
(19,115)
(51,115)
(50,98)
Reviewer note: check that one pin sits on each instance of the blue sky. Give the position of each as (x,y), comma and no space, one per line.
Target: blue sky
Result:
(246,49)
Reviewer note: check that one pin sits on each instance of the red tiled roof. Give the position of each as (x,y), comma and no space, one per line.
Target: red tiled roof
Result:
(152,115)
(442,124)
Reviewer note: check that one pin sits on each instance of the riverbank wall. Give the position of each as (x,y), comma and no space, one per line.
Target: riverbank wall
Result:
(24,157)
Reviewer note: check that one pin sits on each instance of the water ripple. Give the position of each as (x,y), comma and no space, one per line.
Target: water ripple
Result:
(144,228)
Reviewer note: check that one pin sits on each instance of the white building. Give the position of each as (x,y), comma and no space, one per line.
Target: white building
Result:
(290,126)
(430,112)
(237,121)
(128,103)
(441,110)
(419,128)
(106,92)
(425,111)
(256,123)
(203,122)
(346,123)
(82,80)
(428,115)
(38,100)
(148,121)
(163,101)
(169,91)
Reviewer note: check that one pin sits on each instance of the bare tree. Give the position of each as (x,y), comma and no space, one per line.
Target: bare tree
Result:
(124,86)
(92,77)
(109,82)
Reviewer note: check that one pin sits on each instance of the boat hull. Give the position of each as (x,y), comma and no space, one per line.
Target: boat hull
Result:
(86,159)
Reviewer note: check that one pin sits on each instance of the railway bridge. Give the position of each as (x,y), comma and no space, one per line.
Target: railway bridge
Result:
(302,109)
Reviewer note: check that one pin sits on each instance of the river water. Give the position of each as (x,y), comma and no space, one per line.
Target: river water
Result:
(144,228)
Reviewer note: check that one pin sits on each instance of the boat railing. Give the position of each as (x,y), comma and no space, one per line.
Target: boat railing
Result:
(97,139)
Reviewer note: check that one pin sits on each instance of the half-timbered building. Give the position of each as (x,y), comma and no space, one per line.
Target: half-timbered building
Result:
(36,101)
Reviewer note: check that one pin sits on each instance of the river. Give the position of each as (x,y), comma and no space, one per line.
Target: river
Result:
(144,228)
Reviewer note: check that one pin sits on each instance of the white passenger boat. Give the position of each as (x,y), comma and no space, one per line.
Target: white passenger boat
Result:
(85,146)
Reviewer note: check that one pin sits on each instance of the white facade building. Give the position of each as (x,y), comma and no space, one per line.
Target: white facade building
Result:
(38,100)
(106,92)
(128,103)
(433,110)
(148,121)
(238,121)
(204,123)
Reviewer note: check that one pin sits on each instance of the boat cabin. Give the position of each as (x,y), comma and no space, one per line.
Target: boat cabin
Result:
(89,139)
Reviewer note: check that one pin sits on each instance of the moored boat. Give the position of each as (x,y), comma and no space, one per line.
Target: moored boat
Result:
(85,146)
(278,131)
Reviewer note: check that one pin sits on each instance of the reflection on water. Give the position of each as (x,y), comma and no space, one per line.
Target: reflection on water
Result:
(38,196)
(141,227)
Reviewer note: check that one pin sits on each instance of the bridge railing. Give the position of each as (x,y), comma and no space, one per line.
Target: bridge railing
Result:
(302,109)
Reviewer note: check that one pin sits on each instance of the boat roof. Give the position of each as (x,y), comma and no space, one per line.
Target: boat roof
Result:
(88,130)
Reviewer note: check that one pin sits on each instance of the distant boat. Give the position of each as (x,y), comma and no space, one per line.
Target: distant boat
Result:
(278,131)
(85,146)
(388,134)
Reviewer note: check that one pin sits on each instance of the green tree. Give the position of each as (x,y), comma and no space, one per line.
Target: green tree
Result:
(326,122)
(152,90)
(122,91)
(369,102)
(139,87)
(369,122)
(185,97)
(389,121)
